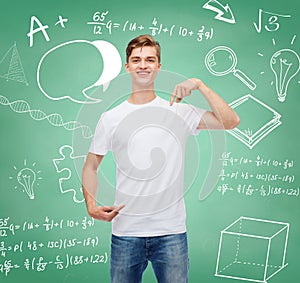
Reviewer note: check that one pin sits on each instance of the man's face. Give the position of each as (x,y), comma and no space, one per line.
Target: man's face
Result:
(143,65)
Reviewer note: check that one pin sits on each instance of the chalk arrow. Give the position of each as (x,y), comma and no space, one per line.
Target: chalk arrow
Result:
(224,12)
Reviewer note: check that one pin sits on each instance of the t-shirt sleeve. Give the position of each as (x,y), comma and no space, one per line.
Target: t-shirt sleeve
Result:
(101,143)
(192,116)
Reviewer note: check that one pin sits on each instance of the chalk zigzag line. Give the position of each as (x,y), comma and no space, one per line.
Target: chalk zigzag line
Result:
(55,119)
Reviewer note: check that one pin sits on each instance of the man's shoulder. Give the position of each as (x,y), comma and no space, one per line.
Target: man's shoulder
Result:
(115,111)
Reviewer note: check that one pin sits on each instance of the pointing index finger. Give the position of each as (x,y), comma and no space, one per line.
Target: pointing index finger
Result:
(174,94)
(172,98)
(118,208)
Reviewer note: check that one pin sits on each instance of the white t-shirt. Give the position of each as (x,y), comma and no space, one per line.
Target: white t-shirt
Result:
(148,143)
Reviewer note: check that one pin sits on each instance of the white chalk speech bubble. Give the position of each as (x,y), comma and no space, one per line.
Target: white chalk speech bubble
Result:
(112,65)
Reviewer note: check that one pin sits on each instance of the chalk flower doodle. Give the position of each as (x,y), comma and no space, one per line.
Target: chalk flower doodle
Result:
(55,119)
(49,66)
(65,165)
(28,178)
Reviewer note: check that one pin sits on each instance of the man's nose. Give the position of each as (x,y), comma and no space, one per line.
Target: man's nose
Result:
(143,63)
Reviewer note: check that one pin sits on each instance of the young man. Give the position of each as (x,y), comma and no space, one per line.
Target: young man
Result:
(149,213)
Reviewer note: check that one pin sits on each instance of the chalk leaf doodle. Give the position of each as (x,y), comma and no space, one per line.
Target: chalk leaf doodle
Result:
(11,66)
(65,165)
(251,131)
(224,12)
(68,65)
(21,106)
(28,178)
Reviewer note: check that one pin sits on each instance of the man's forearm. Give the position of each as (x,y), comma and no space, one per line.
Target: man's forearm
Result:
(90,188)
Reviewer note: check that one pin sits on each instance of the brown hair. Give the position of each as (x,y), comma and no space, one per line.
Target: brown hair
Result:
(141,41)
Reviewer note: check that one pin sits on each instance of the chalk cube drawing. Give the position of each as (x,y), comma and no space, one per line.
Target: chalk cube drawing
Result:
(257,120)
(252,249)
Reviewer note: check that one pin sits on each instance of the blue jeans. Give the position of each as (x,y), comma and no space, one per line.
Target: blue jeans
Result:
(167,254)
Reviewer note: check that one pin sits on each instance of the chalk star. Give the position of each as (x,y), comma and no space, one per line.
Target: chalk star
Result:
(61,21)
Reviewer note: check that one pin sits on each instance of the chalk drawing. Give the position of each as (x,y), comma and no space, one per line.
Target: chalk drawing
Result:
(55,119)
(28,178)
(65,164)
(222,60)
(251,131)
(11,66)
(285,64)
(112,65)
(224,12)
(252,249)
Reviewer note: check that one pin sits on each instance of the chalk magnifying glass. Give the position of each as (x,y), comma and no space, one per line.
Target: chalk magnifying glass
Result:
(222,60)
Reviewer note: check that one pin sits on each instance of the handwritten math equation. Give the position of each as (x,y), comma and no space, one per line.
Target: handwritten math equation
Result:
(59,244)
(60,262)
(49,224)
(23,247)
(257,176)
(101,23)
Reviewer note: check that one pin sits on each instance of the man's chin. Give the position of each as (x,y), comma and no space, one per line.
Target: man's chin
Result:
(145,82)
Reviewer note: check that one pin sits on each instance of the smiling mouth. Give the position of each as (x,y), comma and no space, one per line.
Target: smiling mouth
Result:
(143,73)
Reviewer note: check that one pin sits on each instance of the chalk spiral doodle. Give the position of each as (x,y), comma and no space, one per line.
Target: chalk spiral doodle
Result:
(55,119)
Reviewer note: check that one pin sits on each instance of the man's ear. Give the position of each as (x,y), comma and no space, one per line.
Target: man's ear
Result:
(126,67)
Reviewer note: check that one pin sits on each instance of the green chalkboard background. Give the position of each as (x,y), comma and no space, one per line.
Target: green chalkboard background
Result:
(50,136)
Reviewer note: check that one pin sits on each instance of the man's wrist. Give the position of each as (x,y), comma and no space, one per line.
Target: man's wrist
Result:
(91,205)
(199,83)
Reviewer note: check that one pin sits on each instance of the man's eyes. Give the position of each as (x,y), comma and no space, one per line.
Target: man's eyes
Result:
(150,60)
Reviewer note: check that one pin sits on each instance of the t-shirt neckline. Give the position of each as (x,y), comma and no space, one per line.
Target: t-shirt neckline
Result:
(143,104)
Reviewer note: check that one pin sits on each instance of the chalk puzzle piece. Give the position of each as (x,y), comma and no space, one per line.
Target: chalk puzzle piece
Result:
(65,166)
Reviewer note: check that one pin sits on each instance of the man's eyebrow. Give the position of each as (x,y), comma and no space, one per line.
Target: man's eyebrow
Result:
(138,57)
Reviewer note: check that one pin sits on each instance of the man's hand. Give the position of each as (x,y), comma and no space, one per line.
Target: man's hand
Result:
(105,213)
(184,89)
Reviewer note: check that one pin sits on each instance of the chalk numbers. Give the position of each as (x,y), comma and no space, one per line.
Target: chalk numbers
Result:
(271,19)
(98,19)
(273,24)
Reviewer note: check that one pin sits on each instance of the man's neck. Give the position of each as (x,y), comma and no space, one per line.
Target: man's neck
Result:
(142,96)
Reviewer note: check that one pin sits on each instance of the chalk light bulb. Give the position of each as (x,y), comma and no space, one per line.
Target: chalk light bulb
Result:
(26,177)
(285,64)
